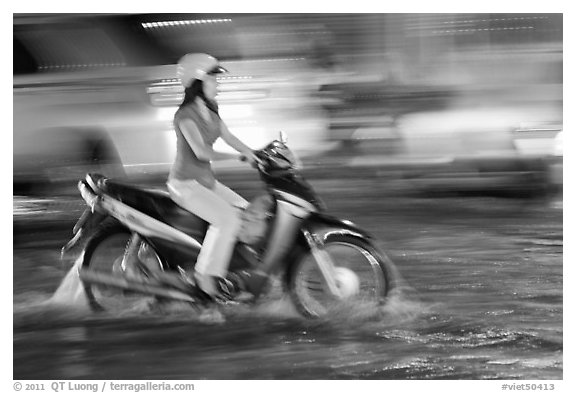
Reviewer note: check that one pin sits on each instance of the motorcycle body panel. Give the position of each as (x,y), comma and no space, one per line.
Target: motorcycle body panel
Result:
(158,205)
(174,254)
(291,184)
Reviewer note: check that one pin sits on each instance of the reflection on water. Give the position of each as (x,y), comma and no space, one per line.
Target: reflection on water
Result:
(76,367)
(409,337)
(270,341)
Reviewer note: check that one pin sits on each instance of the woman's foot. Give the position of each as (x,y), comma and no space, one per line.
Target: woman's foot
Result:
(214,286)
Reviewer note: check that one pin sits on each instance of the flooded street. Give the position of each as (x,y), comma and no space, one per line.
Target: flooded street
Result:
(480,298)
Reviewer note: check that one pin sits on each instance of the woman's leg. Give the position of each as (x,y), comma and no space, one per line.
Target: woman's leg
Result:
(230,196)
(224,219)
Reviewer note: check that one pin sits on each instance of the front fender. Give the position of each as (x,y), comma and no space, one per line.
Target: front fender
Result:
(322,225)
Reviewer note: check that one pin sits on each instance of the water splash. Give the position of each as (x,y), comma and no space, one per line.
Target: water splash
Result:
(401,306)
(33,310)
(68,303)
(70,292)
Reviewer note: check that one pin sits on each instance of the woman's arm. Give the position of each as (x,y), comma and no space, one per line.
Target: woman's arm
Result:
(192,135)
(234,142)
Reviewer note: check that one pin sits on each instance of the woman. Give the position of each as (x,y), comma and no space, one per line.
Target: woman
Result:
(191,182)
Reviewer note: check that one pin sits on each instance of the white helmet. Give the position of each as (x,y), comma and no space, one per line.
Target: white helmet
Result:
(196,66)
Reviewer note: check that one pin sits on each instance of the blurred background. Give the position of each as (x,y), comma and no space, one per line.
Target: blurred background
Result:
(439,134)
(441,101)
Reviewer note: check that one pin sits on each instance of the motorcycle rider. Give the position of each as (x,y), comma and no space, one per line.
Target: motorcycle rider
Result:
(192,184)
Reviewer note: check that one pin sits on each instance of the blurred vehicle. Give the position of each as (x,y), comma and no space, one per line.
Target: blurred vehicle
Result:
(95,92)
(79,102)
(472,107)
(501,148)
(557,162)
(370,110)
(454,102)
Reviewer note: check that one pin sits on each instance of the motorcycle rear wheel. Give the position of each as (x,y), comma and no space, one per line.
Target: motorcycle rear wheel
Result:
(103,254)
(363,275)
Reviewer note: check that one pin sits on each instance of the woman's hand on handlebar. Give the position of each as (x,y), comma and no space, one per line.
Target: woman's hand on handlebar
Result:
(250,158)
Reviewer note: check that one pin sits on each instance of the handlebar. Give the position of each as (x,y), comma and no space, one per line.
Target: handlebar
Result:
(258,162)
(263,156)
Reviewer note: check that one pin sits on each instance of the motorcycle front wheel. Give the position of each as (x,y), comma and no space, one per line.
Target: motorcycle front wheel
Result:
(362,275)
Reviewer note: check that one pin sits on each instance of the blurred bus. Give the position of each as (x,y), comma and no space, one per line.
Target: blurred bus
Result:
(470,96)
(98,92)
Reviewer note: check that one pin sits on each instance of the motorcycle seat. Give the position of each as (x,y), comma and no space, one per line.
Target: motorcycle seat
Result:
(155,203)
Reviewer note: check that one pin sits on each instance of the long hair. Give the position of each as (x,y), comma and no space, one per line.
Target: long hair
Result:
(196,89)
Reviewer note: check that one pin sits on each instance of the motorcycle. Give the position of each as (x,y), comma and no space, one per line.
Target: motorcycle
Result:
(322,261)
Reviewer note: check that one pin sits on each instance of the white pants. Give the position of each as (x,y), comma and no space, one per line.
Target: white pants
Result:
(218,206)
